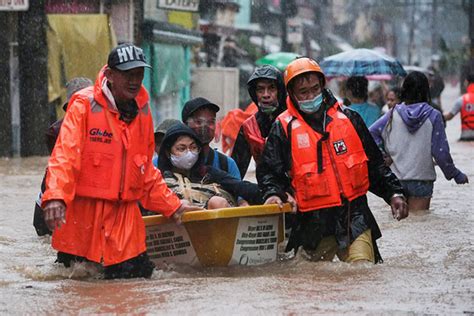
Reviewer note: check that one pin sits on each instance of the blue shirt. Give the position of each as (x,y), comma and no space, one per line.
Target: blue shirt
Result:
(232,166)
(369,112)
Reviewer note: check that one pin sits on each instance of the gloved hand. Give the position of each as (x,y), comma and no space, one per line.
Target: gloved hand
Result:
(461,178)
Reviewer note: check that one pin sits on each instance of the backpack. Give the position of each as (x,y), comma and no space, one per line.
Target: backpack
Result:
(197,193)
(223,163)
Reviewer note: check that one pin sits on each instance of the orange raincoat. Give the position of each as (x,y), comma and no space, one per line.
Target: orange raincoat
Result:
(467,109)
(101,168)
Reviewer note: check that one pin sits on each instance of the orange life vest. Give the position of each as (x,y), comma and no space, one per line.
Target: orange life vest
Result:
(254,137)
(113,158)
(344,162)
(101,167)
(467,109)
(231,123)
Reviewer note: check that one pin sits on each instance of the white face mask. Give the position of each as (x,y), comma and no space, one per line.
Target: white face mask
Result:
(186,161)
(311,106)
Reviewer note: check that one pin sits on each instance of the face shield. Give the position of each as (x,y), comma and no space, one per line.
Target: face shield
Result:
(204,128)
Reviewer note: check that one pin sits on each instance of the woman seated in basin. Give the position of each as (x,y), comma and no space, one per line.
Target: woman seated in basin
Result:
(182,167)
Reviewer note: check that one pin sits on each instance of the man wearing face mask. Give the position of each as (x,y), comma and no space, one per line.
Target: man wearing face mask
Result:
(200,115)
(267,90)
(325,153)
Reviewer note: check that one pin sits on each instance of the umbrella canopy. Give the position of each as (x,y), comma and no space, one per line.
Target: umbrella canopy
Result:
(279,60)
(361,62)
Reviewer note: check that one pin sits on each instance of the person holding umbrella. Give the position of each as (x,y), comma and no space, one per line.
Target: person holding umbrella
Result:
(326,155)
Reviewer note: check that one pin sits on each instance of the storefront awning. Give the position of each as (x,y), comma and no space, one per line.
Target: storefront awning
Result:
(163,32)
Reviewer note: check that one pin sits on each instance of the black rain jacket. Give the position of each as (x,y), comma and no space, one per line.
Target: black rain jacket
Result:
(241,151)
(310,227)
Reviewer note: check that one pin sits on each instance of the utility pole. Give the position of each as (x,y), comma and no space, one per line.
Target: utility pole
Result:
(285,46)
(411,36)
(434,27)
(471,30)
(33,66)
(5,105)
(468,6)
(468,67)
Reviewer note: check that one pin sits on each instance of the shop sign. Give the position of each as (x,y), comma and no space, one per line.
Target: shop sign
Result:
(13,5)
(180,5)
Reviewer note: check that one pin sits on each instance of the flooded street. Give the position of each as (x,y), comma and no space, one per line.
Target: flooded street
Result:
(428,268)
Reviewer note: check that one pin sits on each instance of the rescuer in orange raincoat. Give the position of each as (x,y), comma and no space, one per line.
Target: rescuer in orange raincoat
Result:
(101,167)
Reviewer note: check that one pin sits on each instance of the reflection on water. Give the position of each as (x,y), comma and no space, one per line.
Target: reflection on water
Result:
(428,265)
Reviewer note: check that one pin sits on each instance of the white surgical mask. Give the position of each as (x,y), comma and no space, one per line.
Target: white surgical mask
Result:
(186,161)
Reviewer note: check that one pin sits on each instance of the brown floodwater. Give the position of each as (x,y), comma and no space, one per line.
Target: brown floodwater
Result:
(428,266)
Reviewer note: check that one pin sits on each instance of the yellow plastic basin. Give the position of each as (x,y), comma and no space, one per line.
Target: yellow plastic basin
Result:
(221,237)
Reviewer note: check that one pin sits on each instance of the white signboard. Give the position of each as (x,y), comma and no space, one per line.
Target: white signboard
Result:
(13,5)
(256,241)
(181,5)
(170,243)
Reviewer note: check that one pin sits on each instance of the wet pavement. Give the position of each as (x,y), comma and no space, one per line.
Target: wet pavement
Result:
(428,268)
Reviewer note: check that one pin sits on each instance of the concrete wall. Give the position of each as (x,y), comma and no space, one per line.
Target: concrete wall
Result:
(219,85)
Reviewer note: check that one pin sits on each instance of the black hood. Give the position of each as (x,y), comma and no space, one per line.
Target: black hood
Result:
(272,73)
(172,134)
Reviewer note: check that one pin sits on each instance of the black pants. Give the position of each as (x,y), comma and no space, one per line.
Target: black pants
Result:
(137,267)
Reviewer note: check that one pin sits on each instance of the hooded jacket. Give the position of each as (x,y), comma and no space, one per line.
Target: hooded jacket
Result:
(412,135)
(259,124)
(172,134)
(201,173)
(101,185)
